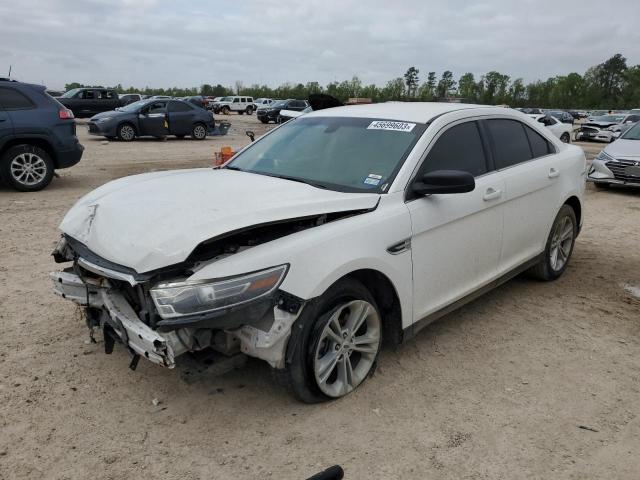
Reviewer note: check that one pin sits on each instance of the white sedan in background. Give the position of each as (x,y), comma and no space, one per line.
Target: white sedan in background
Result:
(619,162)
(559,129)
(356,224)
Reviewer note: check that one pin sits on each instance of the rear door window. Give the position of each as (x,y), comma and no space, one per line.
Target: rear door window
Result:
(179,107)
(458,148)
(11,99)
(510,142)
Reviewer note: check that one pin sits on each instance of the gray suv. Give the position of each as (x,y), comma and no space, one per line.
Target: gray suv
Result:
(37,136)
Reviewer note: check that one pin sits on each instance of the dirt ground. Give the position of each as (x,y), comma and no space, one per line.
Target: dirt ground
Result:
(534,380)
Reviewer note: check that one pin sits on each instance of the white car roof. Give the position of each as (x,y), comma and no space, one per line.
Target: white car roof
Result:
(419,112)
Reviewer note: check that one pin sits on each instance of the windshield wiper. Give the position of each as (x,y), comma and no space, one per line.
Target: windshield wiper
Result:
(231,167)
(296,179)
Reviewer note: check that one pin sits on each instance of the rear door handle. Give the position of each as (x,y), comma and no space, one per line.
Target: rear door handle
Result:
(491,194)
(553,173)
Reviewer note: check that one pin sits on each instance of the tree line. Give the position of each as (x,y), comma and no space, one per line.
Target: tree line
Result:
(611,84)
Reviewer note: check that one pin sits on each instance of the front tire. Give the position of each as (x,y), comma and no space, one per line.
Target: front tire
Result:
(126,132)
(26,168)
(199,132)
(559,246)
(225,110)
(337,345)
(565,138)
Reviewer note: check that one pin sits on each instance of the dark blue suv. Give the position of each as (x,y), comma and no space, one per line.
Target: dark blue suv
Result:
(37,136)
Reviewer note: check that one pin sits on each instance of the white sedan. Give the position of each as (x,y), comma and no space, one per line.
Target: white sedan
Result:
(559,129)
(619,162)
(327,235)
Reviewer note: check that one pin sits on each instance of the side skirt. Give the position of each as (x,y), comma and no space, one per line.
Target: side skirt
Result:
(412,330)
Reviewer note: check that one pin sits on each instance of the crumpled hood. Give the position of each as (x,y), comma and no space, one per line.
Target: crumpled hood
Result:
(153,220)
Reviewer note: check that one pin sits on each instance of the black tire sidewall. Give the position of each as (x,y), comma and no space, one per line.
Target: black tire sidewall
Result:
(5,167)
(302,345)
(564,211)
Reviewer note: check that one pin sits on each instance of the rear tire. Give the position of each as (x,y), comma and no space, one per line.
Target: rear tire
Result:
(26,168)
(559,247)
(263,120)
(126,132)
(335,345)
(249,111)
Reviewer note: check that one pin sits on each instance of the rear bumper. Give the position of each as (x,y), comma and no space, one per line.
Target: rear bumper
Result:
(68,158)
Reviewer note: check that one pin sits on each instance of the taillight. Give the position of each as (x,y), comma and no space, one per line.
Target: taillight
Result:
(65,114)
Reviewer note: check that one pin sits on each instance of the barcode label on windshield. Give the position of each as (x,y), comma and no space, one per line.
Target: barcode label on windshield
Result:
(387,125)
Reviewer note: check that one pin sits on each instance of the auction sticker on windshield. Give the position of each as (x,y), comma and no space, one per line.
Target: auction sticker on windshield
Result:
(388,125)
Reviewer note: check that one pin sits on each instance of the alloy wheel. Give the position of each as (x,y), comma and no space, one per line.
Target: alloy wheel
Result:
(199,132)
(561,243)
(347,348)
(28,169)
(127,132)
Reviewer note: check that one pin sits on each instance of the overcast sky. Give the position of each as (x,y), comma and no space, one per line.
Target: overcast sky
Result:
(163,43)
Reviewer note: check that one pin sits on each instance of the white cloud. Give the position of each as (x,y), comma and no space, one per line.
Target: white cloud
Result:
(189,42)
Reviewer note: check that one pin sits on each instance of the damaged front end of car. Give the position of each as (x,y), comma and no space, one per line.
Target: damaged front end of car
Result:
(162,314)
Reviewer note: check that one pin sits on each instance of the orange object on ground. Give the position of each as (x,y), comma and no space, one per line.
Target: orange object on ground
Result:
(223,156)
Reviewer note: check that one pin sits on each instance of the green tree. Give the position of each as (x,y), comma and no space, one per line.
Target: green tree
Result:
(446,84)
(393,90)
(427,91)
(411,80)
(467,88)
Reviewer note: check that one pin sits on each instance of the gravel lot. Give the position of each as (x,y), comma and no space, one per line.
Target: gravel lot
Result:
(534,380)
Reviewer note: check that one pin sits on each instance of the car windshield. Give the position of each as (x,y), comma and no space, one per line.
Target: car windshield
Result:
(338,153)
(133,107)
(279,103)
(226,99)
(610,118)
(633,133)
(70,93)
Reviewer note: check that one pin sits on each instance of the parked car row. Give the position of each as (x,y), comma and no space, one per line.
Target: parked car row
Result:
(606,128)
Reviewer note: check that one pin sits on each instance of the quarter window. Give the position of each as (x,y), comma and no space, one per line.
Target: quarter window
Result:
(540,146)
(510,142)
(459,148)
(11,99)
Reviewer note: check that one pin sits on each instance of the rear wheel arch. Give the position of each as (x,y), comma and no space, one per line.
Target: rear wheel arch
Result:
(36,142)
(574,202)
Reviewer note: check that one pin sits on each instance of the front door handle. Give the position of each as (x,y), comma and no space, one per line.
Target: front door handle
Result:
(553,173)
(491,194)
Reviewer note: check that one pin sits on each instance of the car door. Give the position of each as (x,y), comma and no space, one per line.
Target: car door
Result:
(531,171)
(181,117)
(456,240)
(235,105)
(152,119)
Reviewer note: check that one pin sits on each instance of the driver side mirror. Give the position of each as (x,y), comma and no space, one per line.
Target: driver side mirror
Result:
(444,181)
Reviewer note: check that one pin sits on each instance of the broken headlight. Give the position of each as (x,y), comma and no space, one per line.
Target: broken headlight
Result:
(189,298)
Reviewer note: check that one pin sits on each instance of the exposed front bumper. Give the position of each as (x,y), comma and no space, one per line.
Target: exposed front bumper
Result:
(595,135)
(614,172)
(159,348)
(103,129)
